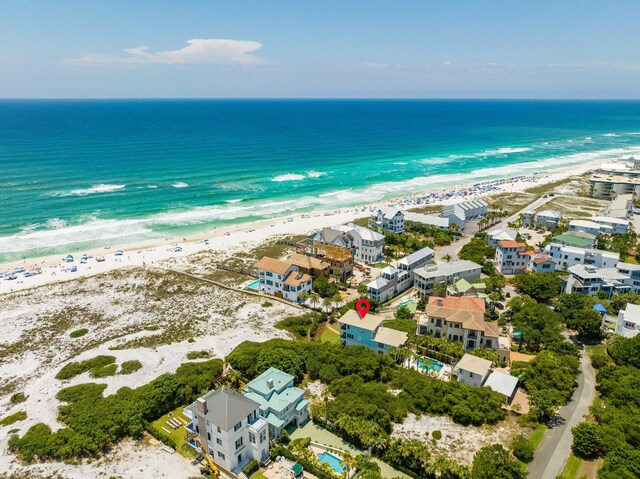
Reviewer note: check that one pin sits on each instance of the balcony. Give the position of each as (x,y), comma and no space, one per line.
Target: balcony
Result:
(190,428)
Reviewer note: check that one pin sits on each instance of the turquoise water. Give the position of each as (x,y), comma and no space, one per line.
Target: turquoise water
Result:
(333,461)
(254,285)
(426,363)
(82,174)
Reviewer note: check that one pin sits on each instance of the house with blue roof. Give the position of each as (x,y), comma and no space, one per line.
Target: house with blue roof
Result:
(281,403)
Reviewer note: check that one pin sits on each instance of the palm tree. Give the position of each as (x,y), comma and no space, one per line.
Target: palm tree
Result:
(234,378)
(337,299)
(379,445)
(347,461)
(326,302)
(447,257)
(304,296)
(314,298)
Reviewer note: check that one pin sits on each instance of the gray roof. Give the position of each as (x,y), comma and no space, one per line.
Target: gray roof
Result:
(388,212)
(446,269)
(416,256)
(226,407)
(329,235)
(427,219)
(377,283)
(502,383)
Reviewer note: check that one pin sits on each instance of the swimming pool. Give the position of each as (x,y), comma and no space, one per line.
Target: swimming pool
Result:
(333,461)
(253,285)
(425,363)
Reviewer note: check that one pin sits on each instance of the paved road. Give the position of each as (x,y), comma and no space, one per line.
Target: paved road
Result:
(555,447)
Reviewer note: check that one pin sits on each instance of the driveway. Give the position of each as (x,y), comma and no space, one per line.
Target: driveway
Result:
(555,447)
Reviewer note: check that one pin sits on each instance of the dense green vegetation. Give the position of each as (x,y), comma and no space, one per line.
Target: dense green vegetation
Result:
(17,398)
(191,355)
(78,333)
(362,409)
(479,252)
(13,418)
(93,421)
(104,371)
(549,379)
(303,326)
(73,369)
(540,326)
(540,286)
(522,448)
(495,462)
(579,315)
(324,288)
(132,366)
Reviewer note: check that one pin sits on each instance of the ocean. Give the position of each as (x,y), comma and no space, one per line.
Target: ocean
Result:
(89,173)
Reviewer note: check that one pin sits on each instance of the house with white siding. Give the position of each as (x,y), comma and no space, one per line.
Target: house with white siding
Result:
(283,279)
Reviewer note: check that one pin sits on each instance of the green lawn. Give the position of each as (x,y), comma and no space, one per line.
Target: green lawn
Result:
(258,475)
(177,435)
(571,469)
(597,348)
(329,335)
(631,259)
(536,436)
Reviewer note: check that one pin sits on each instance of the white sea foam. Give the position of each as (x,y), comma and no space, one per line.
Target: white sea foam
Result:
(153,187)
(400,163)
(507,151)
(234,201)
(610,134)
(99,188)
(180,184)
(289,177)
(315,174)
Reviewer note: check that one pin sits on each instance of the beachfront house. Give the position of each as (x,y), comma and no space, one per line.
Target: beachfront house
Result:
(425,278)
(283,279)
(281,403)
(458,318)
(628,324)
(368,244)
(511,257)
(590,227)
(428,220)
(387,218)
(458,213)
(545,219)
(613,186)
(567,256)
(314,267)
(230,429)
(472,370)
(618,226)
(369,332)
(499,234)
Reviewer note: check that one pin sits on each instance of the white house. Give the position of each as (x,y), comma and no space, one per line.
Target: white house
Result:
(472,370)
(618,226)
(547,219)
(283,279)
(628,324)
(499,234)
(590,227)
(417,259)
(542,263)
(429,220)
(567,256)
(425,278)
(590,280)
(281,403)
(503,383)
(369,244)
(392,281)
(621,206)
(511,257)
(458,213)
(390,219)
(230,429)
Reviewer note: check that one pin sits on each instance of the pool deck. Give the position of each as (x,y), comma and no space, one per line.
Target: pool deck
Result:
(322,436)
(444,374)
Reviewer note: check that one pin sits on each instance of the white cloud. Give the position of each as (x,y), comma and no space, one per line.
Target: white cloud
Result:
(212,51)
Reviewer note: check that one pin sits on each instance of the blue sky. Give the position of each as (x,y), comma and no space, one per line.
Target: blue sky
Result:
(278,48)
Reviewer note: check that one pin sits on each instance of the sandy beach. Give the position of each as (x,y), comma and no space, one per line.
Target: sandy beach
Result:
(242,236)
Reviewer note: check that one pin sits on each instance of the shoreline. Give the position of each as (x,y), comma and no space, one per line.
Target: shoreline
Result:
(152,251)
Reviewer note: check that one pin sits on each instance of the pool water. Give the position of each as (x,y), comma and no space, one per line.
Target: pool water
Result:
(254,285)
(426,363)
(333,461)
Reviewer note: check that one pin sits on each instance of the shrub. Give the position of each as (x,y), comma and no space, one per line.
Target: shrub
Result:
(78,332)
(586,440)
(266,304)
(191,340)
(80,392)
(104,371)
(437,435)
(198,354)
(17,398)
(599,360)
(284,437)
(73,369)
(15,417)
(522,448)
(251,468)
(129,367)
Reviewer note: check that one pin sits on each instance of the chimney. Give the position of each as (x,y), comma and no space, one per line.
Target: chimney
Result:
(439,302)
(270,383)
(201,406)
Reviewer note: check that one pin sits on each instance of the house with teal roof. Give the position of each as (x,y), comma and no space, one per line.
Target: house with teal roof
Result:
(281,403)
(462,287)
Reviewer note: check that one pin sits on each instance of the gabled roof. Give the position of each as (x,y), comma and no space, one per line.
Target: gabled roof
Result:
(329,236)
(502,383)
(295,278)
(279,379)
(416,256)
(474,364)
(389,212)
(549,214)
(542,259)
(364,233)
(226,407)
(502,234)
(273,265)
(352,318)
(308,262)
(377,283)
(390,337)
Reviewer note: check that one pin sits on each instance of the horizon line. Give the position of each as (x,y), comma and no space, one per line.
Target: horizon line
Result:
(319,98)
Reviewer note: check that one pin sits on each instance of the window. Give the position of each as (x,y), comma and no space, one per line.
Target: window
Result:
(263,436)
(349,336)
(220,455)
(237,426)
(238,443)
(269,282)
(252,438)
(208,436)
(270,274)
(219,441)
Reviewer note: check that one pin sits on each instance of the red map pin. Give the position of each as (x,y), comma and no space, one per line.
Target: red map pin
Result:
(363,306)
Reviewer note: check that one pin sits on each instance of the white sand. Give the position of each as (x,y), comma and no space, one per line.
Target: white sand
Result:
(235,238)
